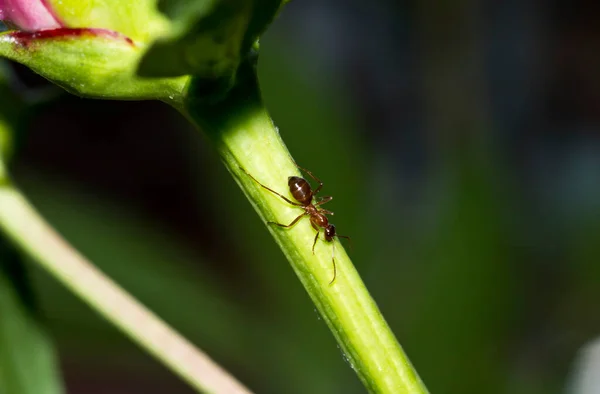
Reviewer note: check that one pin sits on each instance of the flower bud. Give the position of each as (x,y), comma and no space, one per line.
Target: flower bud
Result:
(89,47)
(28,15)
(128,49)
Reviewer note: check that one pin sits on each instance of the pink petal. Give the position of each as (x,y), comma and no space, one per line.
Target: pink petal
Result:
(29,15)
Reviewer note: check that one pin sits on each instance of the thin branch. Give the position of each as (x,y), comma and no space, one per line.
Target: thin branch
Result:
(24,226)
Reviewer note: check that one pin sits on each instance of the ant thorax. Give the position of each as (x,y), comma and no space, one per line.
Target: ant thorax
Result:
(319,220)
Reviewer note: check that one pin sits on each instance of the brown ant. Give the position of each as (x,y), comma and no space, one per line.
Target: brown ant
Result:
(303,193)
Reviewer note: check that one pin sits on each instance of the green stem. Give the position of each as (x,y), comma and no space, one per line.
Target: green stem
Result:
(23,225)
(246,138)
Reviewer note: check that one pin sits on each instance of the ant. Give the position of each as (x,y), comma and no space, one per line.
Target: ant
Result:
(304,194)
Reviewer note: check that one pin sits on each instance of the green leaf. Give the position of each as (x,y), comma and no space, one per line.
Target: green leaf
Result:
(27,363)
(88,62)
(208,39)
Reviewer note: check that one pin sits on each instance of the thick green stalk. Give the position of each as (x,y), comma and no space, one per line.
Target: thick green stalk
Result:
(23,225)
(247,139)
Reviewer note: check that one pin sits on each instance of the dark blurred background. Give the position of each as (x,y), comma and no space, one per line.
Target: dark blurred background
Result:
(461,141)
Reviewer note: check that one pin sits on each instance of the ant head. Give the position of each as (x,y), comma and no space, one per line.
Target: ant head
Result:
(329,232)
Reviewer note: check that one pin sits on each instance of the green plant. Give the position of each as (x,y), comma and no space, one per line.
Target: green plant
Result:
(200,57)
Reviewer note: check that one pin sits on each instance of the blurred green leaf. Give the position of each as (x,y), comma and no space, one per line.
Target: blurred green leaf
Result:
(467,283)
(27,364)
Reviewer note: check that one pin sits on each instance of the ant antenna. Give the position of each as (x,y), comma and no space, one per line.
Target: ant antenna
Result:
(333,255)
(346,237)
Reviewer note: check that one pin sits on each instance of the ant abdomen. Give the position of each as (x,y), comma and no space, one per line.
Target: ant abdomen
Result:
(300,189)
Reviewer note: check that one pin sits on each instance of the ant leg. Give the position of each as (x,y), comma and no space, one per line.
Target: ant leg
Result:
(271,190)
(333,262)
(323,200)
(315,243)
(316,236)
(347,237)
(325,211)
(312,176)
(289,225)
